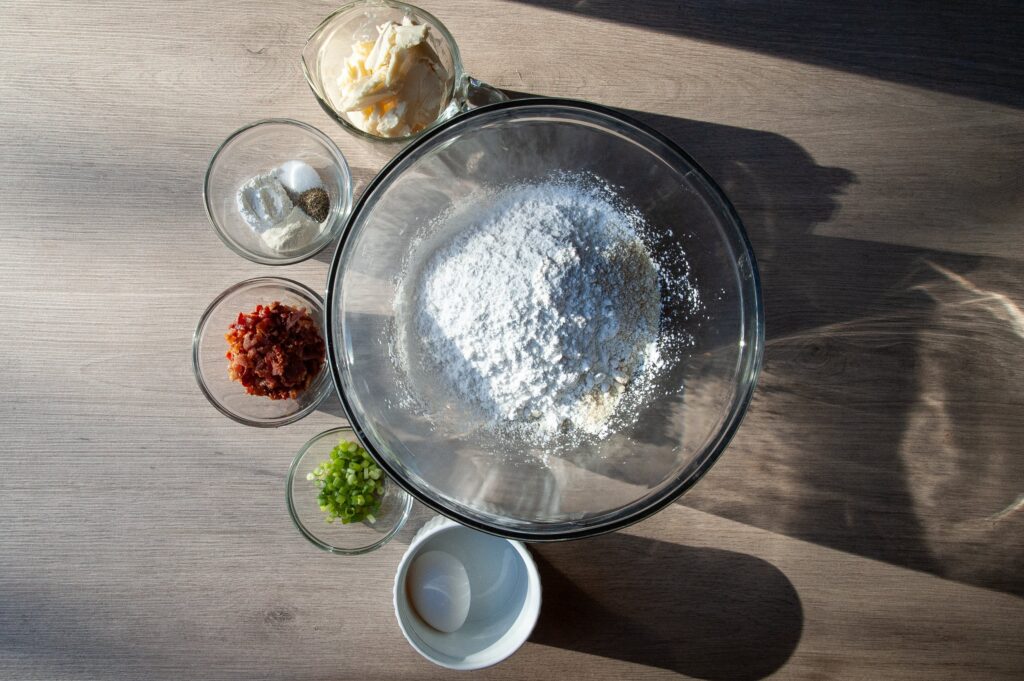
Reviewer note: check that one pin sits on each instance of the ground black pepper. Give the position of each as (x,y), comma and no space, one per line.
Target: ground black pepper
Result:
(315,203)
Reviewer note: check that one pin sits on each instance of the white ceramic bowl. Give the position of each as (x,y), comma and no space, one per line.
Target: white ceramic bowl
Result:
(504,601)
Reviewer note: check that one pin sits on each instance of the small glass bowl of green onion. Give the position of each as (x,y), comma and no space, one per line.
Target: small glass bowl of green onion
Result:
(338,497)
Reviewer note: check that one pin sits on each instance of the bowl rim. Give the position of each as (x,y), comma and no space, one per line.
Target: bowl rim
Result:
(340,218)
(309,535)
(322,385)
(752,361)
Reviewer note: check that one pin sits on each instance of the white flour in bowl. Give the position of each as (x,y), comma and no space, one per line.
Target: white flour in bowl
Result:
(541,314)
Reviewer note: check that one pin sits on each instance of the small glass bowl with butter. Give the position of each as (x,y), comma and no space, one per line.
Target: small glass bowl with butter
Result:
(277,191)
(388,71)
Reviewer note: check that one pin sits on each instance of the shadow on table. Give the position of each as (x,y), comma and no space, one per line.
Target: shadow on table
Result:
(703,612)
(44,629)
(874,428)
(966,49)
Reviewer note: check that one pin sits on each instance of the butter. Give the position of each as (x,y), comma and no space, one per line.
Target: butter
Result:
(394,86)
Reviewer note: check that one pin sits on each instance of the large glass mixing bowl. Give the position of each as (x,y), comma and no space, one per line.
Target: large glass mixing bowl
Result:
(433,449)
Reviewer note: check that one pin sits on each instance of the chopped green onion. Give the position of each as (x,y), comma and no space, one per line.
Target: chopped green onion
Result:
(350,485)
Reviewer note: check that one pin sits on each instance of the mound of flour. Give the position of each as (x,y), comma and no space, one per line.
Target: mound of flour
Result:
(543,313)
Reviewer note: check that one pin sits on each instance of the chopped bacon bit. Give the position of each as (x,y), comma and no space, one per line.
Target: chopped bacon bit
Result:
(275,351)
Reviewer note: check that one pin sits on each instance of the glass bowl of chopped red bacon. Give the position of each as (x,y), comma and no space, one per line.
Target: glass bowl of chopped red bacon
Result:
(259,354)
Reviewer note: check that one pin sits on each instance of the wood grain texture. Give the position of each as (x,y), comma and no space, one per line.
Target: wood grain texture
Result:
(865,523)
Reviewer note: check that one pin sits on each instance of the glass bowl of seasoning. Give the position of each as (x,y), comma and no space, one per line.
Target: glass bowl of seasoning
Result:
(277,191)
(258,352)
(339,499)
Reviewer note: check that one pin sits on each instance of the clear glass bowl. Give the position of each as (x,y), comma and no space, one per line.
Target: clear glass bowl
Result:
(351,539)
(259,148)
(436,451)
(211,367)
(330,45)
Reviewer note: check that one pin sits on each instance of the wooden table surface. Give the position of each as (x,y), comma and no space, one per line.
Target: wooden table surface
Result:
(865,523)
